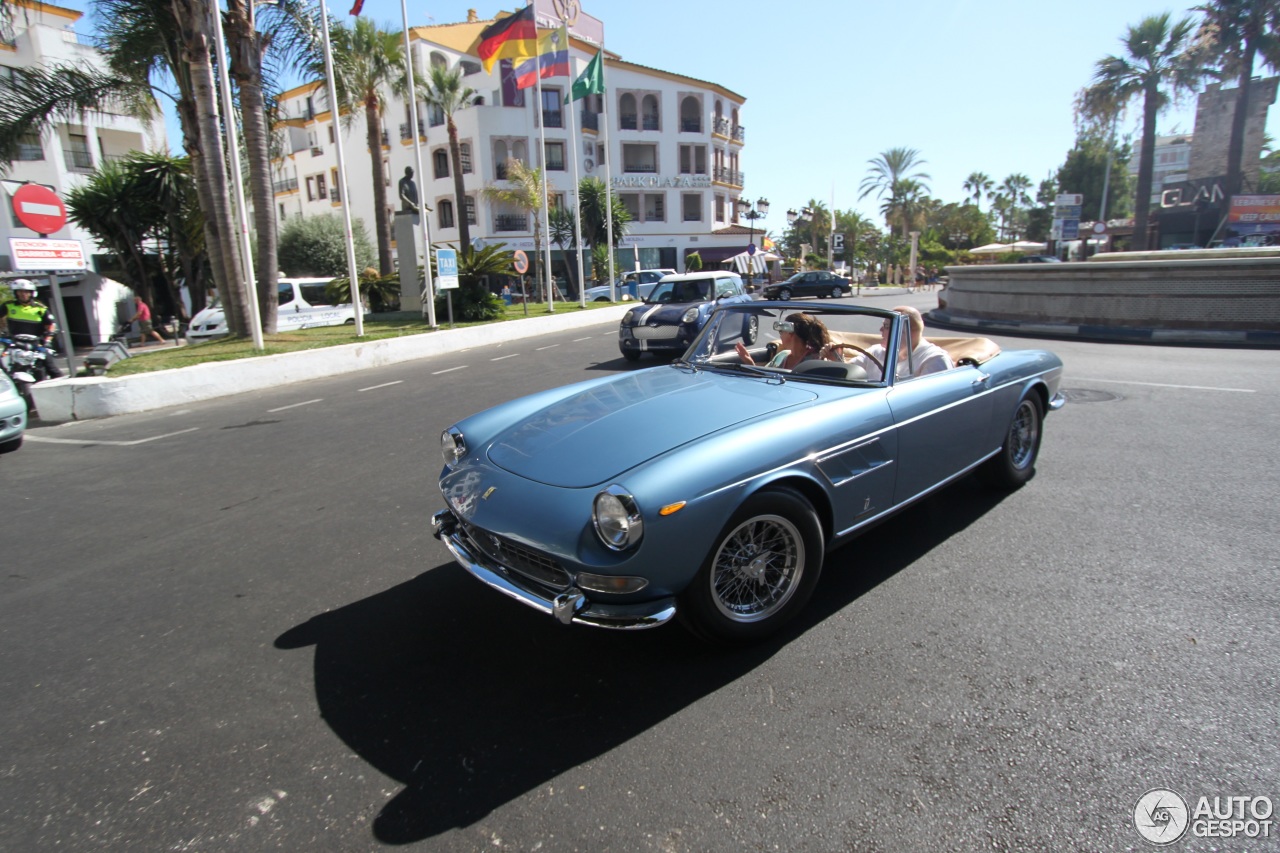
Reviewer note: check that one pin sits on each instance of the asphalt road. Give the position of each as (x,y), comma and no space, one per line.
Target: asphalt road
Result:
(227,627)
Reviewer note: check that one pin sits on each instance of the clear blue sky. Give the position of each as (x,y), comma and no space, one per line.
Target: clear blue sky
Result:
(975,85)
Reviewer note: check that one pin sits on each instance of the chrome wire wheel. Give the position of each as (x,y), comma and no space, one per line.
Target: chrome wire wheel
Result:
(1024,435)
(757,568)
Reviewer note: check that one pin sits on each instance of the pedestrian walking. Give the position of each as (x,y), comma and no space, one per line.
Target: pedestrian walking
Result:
(143,319)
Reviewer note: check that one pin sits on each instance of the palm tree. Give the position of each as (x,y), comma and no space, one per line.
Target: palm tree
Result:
(110,208)
(977,185)
(889,167)
(366,61)
(1238,33)
(905,205)
(523,190)
(446,93)
(1159,65)
(1014,190)
(593,198)
(561,225)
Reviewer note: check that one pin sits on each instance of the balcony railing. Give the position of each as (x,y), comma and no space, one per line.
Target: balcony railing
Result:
(590,120)
(652,123)
(739,133)
(334,196)
(386,138)
(317,151)
(627,121)
(733,177)
(78,160)
(691,125)
(511,222)
(553,118)
(406,134)
(722,126)
(646,168)
(287,185)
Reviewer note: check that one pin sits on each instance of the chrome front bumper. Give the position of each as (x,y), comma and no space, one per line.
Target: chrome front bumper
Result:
(567,607)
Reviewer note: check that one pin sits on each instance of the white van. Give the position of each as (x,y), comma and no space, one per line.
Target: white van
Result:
(302,306)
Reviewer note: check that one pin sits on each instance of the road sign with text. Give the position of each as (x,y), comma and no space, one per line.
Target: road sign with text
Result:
(47,255)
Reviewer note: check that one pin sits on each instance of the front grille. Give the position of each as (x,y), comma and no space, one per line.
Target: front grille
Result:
(655,333)
(532,564)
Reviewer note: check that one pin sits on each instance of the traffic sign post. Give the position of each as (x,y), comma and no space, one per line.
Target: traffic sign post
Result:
(447,276)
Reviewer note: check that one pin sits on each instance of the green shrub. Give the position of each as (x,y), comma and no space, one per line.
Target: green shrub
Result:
(316,246)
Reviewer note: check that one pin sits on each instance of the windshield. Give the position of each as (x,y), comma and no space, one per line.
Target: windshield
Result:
(680,291)
(766,330)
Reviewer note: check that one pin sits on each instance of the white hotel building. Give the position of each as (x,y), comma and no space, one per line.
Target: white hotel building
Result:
(40,34)
(673,145)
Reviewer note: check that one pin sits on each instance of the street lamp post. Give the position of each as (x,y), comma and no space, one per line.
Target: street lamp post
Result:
(915,246)
(751,213)
(792,217)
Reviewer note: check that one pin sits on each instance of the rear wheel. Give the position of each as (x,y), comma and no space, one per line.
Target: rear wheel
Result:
(760,573)
(1016,462)
(837,292)
(784,294)
(751,330)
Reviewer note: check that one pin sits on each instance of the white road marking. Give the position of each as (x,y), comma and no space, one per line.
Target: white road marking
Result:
(383,385)
(580,340)
(31,437)
(296,405)
(501,357)
(1166,385)
(551,346)
(450,370)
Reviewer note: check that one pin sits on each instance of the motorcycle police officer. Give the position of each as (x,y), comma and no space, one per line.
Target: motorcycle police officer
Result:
(26,315)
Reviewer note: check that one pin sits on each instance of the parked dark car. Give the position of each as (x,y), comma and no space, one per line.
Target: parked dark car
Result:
(819,283)
(675,311)
(1039,259)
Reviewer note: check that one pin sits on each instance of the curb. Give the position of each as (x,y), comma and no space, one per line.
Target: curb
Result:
(84,398)
(1259,338)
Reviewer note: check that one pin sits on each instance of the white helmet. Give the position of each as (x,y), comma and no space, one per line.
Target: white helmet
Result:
(22,284)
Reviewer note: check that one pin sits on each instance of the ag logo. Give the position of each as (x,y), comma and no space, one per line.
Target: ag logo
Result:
(1160,816)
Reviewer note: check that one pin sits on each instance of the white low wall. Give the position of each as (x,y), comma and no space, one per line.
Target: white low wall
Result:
(104,396)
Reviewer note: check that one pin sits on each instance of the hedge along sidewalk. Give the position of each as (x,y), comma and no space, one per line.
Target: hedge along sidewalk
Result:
(83,398)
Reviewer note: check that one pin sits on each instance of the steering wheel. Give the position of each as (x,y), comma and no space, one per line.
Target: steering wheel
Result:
(874,360)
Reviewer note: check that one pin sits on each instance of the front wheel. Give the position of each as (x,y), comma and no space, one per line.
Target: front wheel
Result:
(784,294)
(630,354)
(1015,464)
(10,446)
(751,330)
(760,572)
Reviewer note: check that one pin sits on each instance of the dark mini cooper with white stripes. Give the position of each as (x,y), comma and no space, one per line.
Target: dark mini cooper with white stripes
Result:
(676,310)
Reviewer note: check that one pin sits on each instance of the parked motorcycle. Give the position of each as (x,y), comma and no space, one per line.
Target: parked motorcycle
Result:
(26,361)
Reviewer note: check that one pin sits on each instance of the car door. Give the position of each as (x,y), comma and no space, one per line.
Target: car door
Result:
(942,420)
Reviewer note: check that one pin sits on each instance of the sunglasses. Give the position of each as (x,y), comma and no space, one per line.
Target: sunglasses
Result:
(783,326)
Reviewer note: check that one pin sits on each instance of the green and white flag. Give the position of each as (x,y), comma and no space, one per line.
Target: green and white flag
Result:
(591,80)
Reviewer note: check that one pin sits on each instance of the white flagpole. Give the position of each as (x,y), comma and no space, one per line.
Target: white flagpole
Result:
(343,193)
(577,196)
(546,178)
(246,249)
(428,291)
(608,179)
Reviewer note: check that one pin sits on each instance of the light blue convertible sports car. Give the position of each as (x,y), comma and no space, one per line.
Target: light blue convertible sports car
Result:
(710,489)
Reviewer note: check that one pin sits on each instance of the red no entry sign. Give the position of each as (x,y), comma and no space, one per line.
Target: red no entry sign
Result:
(39,208)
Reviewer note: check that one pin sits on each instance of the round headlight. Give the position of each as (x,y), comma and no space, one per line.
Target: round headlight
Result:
(452,446)
(617,519)
(690,316)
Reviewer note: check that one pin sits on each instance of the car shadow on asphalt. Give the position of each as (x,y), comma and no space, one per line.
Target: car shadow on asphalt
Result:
(471,700)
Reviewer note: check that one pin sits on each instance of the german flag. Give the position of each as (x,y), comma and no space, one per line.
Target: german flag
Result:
(514,37)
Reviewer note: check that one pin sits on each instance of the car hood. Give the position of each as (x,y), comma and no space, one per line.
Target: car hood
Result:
(208,315)
(592,436)
(667,312)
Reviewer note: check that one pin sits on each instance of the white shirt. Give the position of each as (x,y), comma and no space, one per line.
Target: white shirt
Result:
(927,358)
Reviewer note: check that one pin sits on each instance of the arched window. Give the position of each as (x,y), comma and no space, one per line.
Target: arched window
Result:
(627,117)
(519,151)
(469,67)
(691,115)
(439,60)
(500,159)
(652,119)
(440,160)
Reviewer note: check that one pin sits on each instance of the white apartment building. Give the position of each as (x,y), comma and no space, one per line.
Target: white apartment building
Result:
(673,145)
(40,34)
(1172,157)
